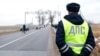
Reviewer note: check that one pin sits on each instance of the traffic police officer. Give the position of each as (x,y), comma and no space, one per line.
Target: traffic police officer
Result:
(74,36)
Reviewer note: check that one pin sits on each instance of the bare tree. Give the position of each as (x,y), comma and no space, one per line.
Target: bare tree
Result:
(51,16)
(38,16)
(41,17)
(42,14)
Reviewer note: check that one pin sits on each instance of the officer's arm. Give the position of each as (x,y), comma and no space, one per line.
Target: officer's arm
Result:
(63,47)
(90,44)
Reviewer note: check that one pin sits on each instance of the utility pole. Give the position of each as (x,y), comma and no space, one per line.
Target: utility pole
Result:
(26,15)
(58,10)
(25,19)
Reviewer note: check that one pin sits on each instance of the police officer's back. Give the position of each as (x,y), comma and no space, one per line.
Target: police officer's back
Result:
(74,36)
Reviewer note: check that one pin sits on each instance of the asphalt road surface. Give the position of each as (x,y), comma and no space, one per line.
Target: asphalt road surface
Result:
(32,43)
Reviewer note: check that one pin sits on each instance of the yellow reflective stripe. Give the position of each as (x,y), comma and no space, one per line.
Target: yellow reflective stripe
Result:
(75,45)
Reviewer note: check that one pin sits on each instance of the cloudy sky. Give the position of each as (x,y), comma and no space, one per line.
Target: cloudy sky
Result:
(12,11)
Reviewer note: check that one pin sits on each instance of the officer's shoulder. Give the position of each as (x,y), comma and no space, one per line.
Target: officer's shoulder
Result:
(60,22)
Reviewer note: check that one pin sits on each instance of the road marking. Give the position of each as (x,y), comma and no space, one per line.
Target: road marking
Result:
(16,40)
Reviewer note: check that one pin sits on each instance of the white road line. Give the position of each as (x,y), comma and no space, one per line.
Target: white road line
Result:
(15,40)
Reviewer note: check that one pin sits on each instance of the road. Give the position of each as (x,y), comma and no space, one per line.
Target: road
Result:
(32,43)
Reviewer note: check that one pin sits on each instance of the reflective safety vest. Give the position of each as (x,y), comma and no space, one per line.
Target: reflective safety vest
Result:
(75,35)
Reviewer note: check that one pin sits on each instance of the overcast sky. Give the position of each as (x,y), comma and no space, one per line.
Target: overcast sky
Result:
(12,11)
